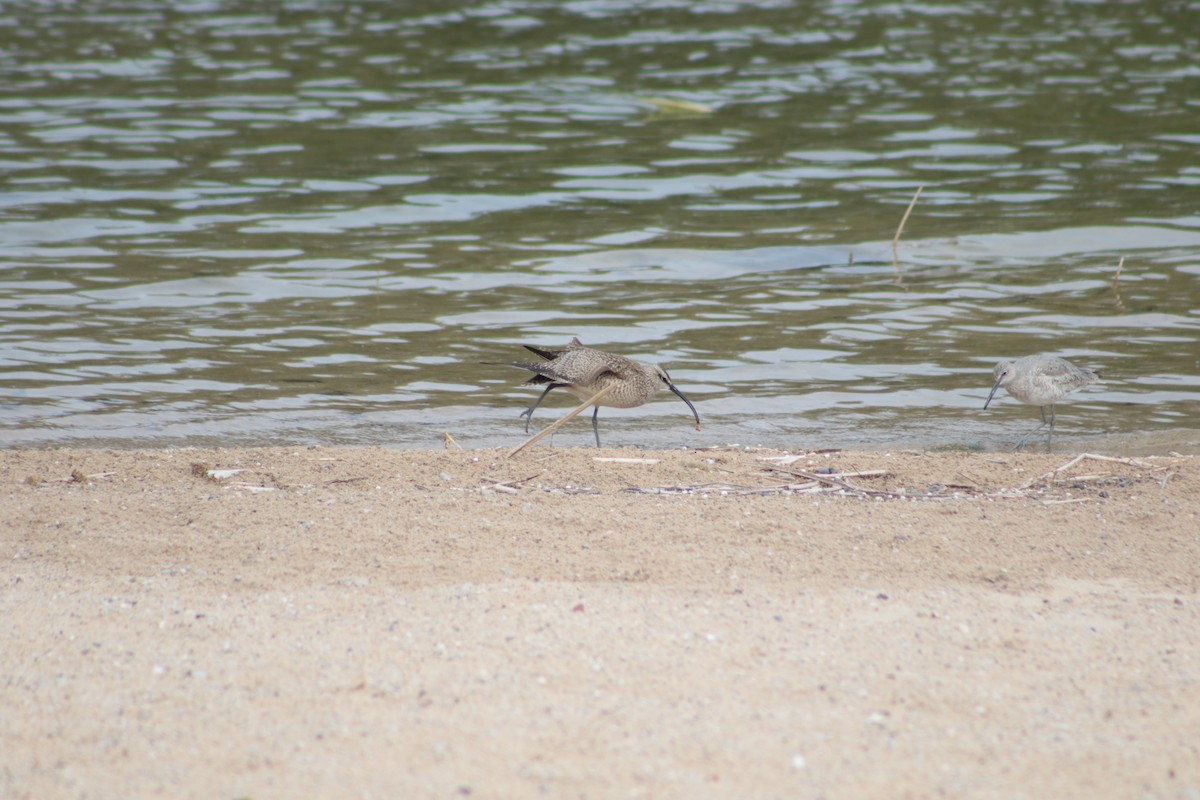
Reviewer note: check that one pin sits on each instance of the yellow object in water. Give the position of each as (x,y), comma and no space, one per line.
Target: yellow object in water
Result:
(676,106)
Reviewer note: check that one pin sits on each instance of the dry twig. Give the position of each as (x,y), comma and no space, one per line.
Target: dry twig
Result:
(900,227)
(832,481)
(508,487)
(1053,474)
(1116,277)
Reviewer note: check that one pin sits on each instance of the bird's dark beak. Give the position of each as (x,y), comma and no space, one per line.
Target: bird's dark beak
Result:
(992,393)
(679,394)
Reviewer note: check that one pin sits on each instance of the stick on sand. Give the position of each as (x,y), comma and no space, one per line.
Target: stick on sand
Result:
(549,429)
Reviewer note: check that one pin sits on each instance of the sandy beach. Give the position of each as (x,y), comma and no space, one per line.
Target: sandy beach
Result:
(316,622)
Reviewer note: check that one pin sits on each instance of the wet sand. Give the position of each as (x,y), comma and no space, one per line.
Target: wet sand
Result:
(381,623)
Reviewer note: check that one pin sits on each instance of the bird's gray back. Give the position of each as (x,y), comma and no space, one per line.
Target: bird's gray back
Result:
(591,370)
(1044,380)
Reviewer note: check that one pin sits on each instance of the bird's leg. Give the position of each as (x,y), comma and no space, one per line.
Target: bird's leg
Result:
(528,413)
(1025,438)
(595,425)
(1050,432)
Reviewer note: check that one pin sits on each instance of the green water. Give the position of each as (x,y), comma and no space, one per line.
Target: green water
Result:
(226,223)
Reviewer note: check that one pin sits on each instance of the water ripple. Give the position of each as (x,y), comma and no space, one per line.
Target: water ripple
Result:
(311,223)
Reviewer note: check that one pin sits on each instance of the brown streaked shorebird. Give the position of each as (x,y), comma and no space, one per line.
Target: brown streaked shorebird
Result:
(583,371)
(1039,381)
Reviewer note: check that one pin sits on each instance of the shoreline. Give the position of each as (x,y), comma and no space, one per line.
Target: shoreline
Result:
(721,622)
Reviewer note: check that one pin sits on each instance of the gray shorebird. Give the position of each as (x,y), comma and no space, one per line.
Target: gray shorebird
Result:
(1039,381)
(583,371)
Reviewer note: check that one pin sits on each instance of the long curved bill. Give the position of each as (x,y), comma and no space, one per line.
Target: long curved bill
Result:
(695,413)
